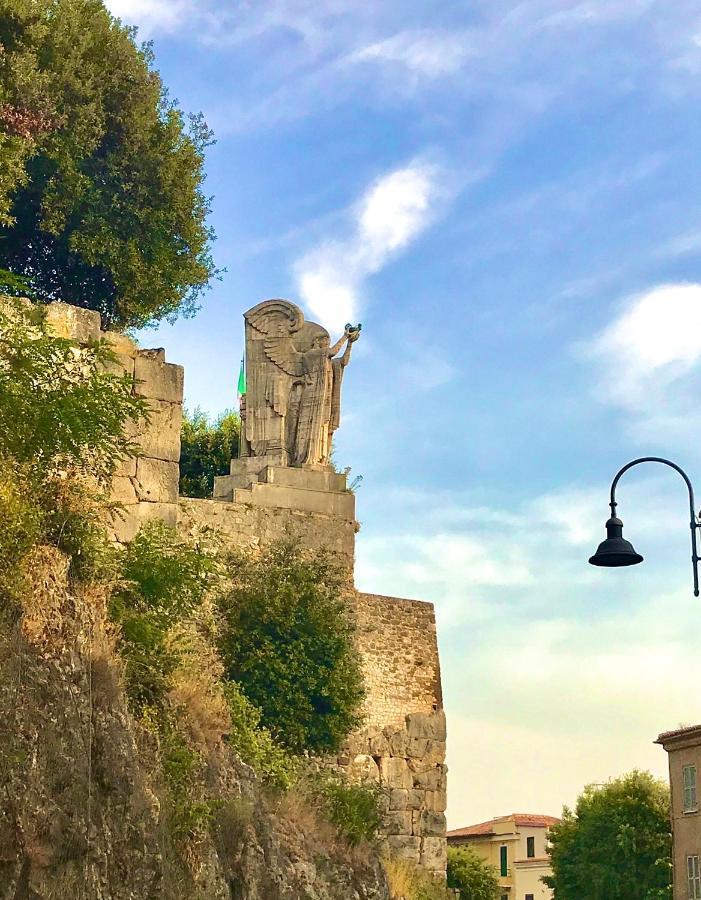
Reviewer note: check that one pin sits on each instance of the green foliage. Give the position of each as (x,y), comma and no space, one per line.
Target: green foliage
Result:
(62,421)
(472,876)
(353,808)
(21,526)
(288,640)
(59,406)
(206,450)
(100,175)
(14,285)
(164,580)
(616,844)
(253,743)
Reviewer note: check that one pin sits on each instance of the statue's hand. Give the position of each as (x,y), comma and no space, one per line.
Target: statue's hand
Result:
(353,332)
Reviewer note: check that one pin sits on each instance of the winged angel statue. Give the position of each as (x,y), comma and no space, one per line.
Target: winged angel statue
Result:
(293,384)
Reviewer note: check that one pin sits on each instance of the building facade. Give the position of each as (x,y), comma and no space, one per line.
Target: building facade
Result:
(683,748)
(516,846)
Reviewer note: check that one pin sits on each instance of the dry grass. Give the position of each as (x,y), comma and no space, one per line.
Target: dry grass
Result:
(197,691)
(408,882)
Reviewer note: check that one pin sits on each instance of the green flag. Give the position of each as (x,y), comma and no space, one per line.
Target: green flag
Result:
(242,380)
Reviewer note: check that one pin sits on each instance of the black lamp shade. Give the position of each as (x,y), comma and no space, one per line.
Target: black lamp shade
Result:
(615,551)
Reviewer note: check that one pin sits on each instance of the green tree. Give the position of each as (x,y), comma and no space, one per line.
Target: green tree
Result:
(616,845)
(206,450)
(100,176)
(288,640)
(473,878)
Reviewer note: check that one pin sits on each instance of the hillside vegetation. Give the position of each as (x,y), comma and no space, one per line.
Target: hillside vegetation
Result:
(132,765)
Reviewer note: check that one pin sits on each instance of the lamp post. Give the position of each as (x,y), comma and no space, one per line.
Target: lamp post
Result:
(615,551)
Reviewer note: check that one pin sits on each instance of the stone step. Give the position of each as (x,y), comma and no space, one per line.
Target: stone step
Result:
(309,479)
(330,503)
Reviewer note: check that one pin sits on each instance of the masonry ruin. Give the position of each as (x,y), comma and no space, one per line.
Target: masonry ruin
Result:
(283,484)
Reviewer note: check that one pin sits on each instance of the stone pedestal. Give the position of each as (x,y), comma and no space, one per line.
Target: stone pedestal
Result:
(263,482)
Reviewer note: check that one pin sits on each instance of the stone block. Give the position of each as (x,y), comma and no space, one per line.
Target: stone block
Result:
(126,467)
(124,524)
(395,773)
(434,852)
(122,491)
(415,799)
(156,480)
(160,439)
(378,745)
(158,380)
(427,725)
(428,779)
(120,344)
(157,353)
(73,323)
(329,503)
(436,801)
(417,748)
(397,822)
(363,770)
(306,479)
(398,741)
(405,846)
(398,798)
(431,824)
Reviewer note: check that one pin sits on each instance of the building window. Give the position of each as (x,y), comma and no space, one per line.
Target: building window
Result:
(529,896)
(689,782)
(694,876)
(530,851)
(504,862)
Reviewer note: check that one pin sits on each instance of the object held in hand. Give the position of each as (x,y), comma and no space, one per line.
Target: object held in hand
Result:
(353,331)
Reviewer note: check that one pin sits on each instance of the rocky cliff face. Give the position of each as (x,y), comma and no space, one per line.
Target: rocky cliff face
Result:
(81,809)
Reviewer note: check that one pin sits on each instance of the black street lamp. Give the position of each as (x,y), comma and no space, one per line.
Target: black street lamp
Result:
(616,551)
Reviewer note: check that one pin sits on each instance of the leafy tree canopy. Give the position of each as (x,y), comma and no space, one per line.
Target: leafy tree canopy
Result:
(100,177)
(206,450)
(471,875)
(289,642)
(616,844)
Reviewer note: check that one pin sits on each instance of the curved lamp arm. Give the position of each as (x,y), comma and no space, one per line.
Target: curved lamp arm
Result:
(693,522)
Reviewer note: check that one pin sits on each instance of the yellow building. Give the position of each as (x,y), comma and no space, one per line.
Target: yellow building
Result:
(516,846)
(684,749)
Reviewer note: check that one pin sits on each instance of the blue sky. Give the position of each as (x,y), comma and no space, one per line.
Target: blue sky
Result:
(506,195)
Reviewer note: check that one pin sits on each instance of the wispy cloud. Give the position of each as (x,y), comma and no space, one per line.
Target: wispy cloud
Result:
(389,216)
(425,52)
(650,347)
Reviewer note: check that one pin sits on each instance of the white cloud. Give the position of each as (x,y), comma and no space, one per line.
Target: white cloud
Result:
(152,15)
(644,356)
(389,216)
(424,52)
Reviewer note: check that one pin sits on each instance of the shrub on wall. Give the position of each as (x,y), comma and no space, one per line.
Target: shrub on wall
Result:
(288,640)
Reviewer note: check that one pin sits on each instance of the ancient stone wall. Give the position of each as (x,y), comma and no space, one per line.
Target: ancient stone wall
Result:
(401,745)
(246,525)
(147,485)
(400,658)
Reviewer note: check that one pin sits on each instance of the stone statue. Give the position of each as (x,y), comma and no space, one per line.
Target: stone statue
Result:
(292,405)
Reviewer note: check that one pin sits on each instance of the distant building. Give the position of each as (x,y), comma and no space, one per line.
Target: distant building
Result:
(683,747)
(516,846)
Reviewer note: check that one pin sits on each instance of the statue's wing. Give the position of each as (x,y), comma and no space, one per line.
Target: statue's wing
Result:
(282,352)
(275,318)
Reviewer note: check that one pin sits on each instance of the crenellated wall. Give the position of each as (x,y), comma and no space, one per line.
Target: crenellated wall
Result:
(402,743)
